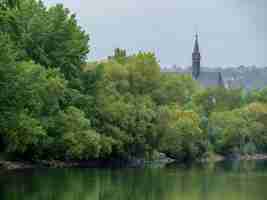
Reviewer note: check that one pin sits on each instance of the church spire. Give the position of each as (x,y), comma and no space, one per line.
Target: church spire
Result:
(196,58)
(196,47)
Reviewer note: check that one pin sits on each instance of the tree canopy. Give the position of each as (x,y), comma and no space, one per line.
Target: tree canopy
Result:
(56,105)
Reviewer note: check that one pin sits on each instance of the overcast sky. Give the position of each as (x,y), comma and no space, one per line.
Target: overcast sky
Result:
(232,32)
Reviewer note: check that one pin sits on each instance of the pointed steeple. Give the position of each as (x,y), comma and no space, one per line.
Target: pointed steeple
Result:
(220,80)
(196,58)
(196,46)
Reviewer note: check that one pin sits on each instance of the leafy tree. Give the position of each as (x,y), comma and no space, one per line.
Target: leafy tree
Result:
(258,113)
(257,96)
(234,131)
(29,95)
(144,73)
(174,89)
(26,135)
(54,105)
(185,140)
(50,37)
(79,140)
(9,4)
(120,56)
(218,99)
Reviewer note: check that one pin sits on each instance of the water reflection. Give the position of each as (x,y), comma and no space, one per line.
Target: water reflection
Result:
(231,181)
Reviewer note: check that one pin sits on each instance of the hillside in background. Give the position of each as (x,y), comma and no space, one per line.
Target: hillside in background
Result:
(250,77)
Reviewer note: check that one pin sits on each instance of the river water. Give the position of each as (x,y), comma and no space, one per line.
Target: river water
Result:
(246,180)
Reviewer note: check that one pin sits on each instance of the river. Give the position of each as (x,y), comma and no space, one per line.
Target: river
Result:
(246,180)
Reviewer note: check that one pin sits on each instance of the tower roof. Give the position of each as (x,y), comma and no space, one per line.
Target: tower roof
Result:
(196,46)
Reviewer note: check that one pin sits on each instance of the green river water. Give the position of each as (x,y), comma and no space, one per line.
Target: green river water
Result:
(246,180)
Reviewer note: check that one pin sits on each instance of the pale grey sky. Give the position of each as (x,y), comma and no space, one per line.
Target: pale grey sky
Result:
(232,32)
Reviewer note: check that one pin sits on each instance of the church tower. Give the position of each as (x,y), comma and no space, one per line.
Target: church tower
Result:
(196,58)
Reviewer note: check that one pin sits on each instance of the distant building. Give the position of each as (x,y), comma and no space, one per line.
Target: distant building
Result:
(235,77)
(205,78)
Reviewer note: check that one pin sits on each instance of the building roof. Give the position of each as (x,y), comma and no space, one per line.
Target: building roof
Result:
(210,79)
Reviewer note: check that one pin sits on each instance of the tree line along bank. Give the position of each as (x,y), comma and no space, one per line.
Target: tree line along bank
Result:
(56,106)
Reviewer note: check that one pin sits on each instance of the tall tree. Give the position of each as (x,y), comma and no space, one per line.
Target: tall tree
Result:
(50,37)
(9,4)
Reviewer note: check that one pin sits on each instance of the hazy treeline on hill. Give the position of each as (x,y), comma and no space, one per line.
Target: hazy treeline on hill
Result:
(246,77)
(54,105)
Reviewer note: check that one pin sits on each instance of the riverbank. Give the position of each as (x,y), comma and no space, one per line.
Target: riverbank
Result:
(15,165)
(135,163)
(218,158)
(254,157)
(161,161)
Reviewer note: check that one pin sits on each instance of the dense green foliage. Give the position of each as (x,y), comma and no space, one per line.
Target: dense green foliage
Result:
(54,105)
